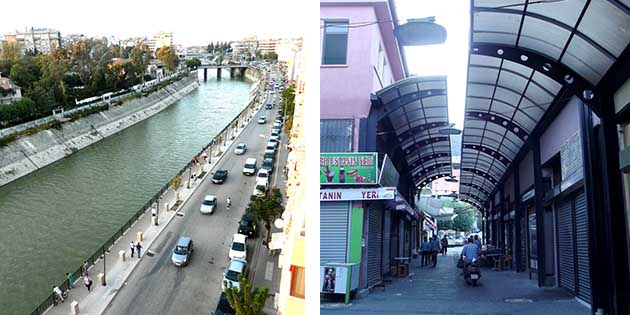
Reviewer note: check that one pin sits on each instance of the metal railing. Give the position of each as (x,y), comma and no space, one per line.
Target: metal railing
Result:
(91,260)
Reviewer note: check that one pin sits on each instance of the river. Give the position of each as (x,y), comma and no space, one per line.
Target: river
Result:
(53,219)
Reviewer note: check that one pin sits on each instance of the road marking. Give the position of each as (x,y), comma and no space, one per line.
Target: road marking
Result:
(269,271)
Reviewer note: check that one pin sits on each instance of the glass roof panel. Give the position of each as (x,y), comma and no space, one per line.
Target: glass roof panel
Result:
(612,32)
(566,12)
(586,60)
(487,23)
(544,37)
(483,75)
(482,60)
(480,90)
(512,81)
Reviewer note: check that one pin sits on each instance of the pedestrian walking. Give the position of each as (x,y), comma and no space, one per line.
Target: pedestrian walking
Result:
(59,293)
(85,268)
(204,155)
(424,249)
(444,245)
(132,246)
(70,277)
(88,282)
(138,248)
(154,211)
(435,248)
(477,241)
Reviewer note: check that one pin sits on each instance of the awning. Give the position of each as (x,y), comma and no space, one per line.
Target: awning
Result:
(525,58)
(400,204)
(410,114)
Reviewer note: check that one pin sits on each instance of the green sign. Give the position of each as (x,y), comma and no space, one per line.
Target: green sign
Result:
(348,168)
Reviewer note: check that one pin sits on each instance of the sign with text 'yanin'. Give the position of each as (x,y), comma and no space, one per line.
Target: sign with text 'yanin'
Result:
(348,168)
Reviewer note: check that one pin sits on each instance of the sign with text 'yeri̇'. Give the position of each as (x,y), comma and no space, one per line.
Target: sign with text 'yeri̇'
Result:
(348,168)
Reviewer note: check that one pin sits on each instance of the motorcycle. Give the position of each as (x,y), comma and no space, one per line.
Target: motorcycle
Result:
(472,272)
(57,299)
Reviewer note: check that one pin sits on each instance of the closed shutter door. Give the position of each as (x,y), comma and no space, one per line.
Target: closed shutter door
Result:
(523,244)
(566,267)
(374,246)
(333,231)
(581,235)
(387,233)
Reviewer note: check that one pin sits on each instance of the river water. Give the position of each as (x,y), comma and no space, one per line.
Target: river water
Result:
(53,219)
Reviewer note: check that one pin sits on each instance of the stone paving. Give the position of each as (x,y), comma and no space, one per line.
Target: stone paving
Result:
(442,290)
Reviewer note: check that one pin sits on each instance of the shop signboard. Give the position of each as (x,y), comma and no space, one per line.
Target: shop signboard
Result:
(571,161)
(381,193)
(358,168)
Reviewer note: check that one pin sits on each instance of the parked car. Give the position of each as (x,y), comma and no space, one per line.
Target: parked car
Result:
(262,120)
(269,155)
(269,106)
(208,204)
(238,249)
(277,125)
(270,149)
(262,176)
(182,251)
(458,241)
(276,130)
(247,225)
(279,121)
(240,149)
(235,268)
(267,164)
(224,308)
(275,136)
(273,141)
(261,188)
(219,176)
(249,168)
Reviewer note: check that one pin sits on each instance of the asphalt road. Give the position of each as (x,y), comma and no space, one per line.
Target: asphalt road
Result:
(156,286)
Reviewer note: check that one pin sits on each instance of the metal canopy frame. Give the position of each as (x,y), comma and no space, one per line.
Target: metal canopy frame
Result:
(413,110)
(524,57)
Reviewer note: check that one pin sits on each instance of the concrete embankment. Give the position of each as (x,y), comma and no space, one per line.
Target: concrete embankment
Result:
(30,153)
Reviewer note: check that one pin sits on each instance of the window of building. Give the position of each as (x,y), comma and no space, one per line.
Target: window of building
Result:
(335,42)
(297,282)
(335,135)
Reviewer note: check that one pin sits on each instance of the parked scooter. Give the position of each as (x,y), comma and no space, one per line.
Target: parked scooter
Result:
(472,273)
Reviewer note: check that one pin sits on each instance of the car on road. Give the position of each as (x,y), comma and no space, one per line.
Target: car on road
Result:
(182,251)
(276,130)
(457,241)
(277,125)
(279,121)
(262,176)
(247,225)
(269,106)
(224,308)
(208,204)
(219,176)
(267,164)
(240,149)
(235,268)
(249,168)
(275,142)
(262,120)
(275,136)
(270,149)
(261,188)
(238,249)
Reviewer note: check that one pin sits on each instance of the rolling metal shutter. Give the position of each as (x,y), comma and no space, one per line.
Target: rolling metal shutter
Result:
(583,262)
(374,246)
(387,225)
(333,231)
(566,250)
(523,244)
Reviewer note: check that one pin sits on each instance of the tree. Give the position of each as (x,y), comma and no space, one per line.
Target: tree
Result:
(140,58)
(211,48)
(266,208)
(271,56)
(193,63)
(167,55)
(9,51)
(247,300)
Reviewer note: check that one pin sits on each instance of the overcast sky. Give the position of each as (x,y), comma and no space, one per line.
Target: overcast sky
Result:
(193,22)
(450,58)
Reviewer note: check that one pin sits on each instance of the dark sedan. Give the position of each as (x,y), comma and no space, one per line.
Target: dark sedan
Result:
(219,176)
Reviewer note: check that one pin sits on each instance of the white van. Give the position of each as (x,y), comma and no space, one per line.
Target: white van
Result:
(250,167)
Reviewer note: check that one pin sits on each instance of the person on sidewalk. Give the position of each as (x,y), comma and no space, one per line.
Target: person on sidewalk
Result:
(59,293)
(424,250)
(85,268)
(70,277)
(444,245)
(477,242)
(88,282)
(435,248)
(138,248)
(132,246)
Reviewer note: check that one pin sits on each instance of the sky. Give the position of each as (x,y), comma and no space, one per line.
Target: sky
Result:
(193,22)
(449,58)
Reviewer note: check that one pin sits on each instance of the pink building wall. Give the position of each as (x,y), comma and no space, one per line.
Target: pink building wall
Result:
(345,89)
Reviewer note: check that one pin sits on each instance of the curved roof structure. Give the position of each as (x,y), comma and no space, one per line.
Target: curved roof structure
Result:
(524,57)
(414,110)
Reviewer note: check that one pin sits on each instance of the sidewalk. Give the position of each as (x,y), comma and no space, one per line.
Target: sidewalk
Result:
(117,271)
(442,290)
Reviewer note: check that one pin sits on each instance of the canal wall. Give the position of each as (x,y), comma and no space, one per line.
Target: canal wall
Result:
(30,153)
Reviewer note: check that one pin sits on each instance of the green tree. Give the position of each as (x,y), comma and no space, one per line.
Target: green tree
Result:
(247,300)
(271,56)
(211,48)
(25,72)
(140,57)
(168,56)
(266,208)
(193,63)
(9,51)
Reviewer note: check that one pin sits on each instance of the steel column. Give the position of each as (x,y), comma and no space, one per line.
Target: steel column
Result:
(517,220)
(540,213)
